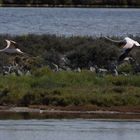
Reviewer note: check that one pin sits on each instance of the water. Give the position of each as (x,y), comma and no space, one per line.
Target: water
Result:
(70,21)
(75,129)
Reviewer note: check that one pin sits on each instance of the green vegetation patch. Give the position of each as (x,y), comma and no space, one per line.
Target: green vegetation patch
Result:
(63,88)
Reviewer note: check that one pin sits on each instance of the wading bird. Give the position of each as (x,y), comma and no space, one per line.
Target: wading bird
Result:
(127,44)
(11,48)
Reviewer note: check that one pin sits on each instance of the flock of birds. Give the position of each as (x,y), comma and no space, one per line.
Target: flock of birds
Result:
(127,44)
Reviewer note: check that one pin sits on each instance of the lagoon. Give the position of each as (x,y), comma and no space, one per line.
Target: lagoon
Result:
(69,129)
(70,21)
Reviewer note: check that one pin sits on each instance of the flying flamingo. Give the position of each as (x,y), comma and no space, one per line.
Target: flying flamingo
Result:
(11,48)
(127,44)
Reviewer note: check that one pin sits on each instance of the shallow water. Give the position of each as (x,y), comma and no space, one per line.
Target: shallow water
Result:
(70,21)
(72,129)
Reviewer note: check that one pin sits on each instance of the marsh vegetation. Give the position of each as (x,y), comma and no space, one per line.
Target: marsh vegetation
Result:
(45,86)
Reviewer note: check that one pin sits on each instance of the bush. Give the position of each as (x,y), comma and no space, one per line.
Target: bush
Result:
(125,68)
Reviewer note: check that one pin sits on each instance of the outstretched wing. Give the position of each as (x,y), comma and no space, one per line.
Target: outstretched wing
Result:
(137,43)
(22,53)
(19,51)
(130,43)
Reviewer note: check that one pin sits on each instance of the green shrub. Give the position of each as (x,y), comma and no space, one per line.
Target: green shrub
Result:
(126,68)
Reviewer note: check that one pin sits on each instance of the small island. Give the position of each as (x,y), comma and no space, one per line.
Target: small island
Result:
(68,74)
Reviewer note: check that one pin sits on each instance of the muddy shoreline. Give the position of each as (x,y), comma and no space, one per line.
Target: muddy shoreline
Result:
(45,112)
(73,109)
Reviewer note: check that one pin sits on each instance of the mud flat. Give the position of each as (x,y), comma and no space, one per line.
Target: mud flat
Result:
(65,112)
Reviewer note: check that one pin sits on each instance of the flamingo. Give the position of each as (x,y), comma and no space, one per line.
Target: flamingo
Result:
(127,44)
(11,48)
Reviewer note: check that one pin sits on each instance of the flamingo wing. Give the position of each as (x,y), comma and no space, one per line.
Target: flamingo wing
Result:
(19,51)
(128,45)
(137,44)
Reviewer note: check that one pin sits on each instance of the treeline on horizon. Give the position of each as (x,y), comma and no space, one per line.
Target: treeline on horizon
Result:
(72,2)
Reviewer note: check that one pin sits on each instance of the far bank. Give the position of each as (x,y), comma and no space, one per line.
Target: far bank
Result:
(69,6)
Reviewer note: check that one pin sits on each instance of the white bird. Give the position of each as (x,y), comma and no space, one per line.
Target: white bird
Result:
(127,44)
(11,48)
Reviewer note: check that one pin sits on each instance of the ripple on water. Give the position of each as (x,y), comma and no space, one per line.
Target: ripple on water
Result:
(70,21)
